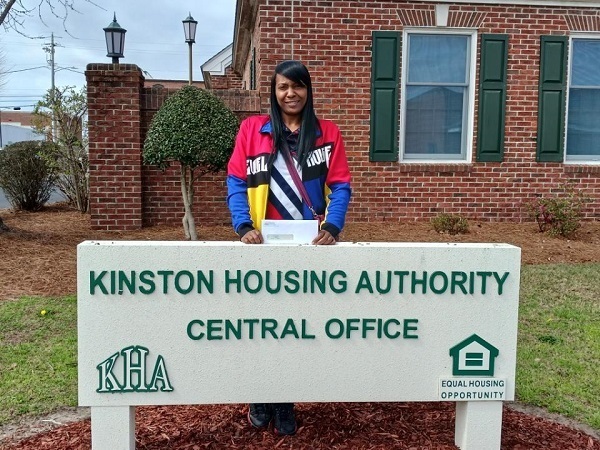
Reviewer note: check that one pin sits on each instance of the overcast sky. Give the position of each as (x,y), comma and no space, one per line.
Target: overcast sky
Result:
(154,41)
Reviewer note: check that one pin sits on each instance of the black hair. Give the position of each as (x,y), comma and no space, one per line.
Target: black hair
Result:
(298,73)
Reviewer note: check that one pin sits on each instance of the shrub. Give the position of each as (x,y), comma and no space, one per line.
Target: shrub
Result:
(560,215)
(196,129)
(25,176)
(450,223)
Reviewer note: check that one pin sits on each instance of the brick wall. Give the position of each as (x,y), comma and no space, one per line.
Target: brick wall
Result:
(170,84)
(114,121)
(230,80)
(333,38)
(125,194)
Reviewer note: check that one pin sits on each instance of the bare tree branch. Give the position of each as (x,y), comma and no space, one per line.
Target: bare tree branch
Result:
(14,12)
(6,10)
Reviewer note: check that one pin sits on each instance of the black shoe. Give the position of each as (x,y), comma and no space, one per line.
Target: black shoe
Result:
(284,422)
(260,414)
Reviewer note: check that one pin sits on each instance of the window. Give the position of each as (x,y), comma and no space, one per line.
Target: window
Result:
(437,96)
(583,108)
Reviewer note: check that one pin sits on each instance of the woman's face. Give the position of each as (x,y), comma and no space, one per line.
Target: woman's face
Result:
(291,96)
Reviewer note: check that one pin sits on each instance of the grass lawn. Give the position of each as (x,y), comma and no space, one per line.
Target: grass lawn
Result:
(557,362)
(38,355)
(558,358)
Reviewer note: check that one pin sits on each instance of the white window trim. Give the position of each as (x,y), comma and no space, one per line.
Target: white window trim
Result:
(470,116)
(575,160)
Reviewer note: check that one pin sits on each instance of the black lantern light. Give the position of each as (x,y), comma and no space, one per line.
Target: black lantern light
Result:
(115,40)
(189,28)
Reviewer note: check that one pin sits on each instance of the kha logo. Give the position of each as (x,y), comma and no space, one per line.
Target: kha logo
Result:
(128,371)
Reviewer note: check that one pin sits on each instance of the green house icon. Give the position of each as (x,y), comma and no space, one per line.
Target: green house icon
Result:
(473,356)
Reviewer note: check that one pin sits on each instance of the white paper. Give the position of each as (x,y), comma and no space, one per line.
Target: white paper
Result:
(289,231)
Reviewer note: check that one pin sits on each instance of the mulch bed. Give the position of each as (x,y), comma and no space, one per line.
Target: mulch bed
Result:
(342,426)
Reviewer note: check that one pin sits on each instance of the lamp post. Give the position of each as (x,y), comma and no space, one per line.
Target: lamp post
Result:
(189,28)
(15,108)
(115,40)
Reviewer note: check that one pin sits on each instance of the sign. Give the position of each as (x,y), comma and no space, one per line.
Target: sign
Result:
(182,322)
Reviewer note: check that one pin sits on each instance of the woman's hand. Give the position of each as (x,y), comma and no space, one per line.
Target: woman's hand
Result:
(252,237)
(324,238)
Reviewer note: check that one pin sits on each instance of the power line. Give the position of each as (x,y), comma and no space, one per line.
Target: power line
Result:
(12,107)
(71,69)
(146,45)
(25,70)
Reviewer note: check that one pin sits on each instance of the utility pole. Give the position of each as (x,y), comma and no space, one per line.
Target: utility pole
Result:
(52,45)
(50,50)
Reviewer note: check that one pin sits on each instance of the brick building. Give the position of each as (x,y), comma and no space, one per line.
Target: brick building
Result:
(17,126)
(462,107)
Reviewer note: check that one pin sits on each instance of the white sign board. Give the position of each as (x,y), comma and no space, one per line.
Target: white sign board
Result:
(203,322)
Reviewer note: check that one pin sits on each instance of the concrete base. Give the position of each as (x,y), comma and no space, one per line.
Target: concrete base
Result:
(478,425)
(113,427)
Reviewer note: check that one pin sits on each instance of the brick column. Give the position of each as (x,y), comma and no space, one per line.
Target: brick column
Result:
(115,145)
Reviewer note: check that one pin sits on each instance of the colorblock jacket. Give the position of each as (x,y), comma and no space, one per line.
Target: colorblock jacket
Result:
(326,176)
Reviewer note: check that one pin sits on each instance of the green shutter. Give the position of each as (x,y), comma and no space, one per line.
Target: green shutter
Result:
(385,67)
(552,98)
(492,97)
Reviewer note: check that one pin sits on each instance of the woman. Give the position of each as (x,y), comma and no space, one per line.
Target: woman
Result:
(261,184)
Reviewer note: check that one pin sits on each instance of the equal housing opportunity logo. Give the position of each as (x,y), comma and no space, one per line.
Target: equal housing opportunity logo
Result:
(473,367)
(473,357)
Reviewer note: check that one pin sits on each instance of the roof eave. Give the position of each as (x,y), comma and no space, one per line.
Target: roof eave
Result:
(245,18)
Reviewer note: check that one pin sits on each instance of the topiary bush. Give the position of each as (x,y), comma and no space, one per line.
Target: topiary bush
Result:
(450,223)
(197,130)
(193,127)
(25,176)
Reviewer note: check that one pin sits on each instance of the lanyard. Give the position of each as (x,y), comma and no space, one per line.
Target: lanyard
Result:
(294,174)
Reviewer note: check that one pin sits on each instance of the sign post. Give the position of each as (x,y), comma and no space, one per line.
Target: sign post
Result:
(165,323)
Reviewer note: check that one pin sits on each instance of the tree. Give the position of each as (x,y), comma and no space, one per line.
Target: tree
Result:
(67,108)
(196,129)
(14,12)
